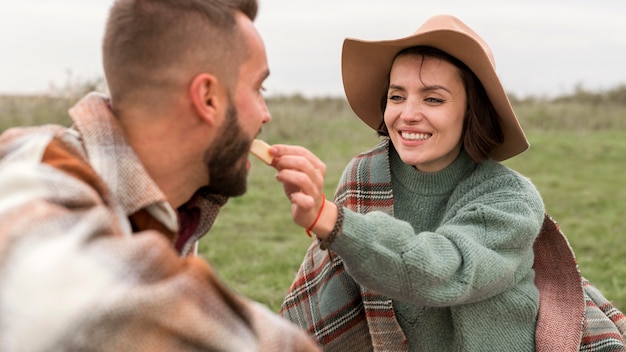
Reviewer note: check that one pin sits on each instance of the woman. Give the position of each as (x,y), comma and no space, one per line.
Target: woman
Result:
(431,238)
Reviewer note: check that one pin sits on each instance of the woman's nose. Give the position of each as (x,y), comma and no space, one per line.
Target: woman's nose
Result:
(412,110)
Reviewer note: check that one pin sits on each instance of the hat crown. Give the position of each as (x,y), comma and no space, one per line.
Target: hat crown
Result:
(452,24)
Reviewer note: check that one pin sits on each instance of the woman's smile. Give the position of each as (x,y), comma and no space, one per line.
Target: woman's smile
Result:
(414,136)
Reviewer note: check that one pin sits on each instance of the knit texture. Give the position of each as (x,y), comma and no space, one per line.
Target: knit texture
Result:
(459,264)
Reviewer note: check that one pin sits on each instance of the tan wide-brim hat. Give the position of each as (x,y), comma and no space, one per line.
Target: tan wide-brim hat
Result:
(366,66)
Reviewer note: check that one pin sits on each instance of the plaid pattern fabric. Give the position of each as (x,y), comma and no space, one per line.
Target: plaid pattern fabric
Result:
(325,300)
(344,316)
(87,255)
(604,327)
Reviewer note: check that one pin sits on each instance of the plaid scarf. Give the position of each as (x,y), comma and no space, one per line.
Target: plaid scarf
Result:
(345,316)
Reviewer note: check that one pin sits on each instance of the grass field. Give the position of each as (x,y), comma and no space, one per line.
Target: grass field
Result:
(577,160)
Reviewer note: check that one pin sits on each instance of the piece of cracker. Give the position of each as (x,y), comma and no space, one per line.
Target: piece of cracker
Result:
(261,150)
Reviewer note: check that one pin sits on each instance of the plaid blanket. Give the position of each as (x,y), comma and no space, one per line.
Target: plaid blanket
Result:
(344,316)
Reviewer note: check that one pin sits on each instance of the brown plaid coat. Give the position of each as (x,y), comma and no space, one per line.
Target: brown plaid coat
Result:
(88,259)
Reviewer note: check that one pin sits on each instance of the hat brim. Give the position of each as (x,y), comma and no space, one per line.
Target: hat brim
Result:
(366,66)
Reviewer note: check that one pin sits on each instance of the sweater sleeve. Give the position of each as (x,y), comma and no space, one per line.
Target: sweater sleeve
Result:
(482,247)
(74,278)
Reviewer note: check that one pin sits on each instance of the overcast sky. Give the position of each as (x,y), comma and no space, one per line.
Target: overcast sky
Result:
(542,47)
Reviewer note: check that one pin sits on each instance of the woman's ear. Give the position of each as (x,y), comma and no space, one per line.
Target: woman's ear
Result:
(206,99)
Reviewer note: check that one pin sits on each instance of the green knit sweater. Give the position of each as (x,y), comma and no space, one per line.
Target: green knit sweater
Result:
(456,257)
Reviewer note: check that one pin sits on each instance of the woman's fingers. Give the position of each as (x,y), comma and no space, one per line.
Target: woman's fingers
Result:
(296,152)
(309,182)
(299,167)
(302,175)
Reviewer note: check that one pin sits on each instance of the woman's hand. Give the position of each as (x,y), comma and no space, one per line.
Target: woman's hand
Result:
(302,175)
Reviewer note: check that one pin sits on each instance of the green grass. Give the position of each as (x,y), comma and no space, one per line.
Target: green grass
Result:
(33,110)
(577,160)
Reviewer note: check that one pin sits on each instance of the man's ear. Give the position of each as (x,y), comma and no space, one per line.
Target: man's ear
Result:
(206,97)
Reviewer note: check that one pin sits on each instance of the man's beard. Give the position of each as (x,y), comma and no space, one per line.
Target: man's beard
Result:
(227,158)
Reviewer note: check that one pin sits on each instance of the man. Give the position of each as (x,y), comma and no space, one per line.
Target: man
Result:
(98,223)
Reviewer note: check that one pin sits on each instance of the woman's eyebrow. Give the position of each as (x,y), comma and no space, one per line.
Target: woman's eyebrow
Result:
(423,89)
(434,87)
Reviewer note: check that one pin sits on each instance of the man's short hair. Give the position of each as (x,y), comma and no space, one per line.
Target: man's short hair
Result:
(158,44)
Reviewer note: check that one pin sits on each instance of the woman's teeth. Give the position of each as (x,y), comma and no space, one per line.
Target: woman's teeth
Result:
(415,136)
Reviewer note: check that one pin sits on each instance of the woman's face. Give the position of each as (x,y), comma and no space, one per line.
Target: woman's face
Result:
(426,104)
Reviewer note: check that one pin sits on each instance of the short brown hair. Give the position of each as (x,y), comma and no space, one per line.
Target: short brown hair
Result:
(162,43)
(481,130)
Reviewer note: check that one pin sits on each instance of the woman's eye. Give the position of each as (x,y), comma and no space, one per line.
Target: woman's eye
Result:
(434,100)
(394,97)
